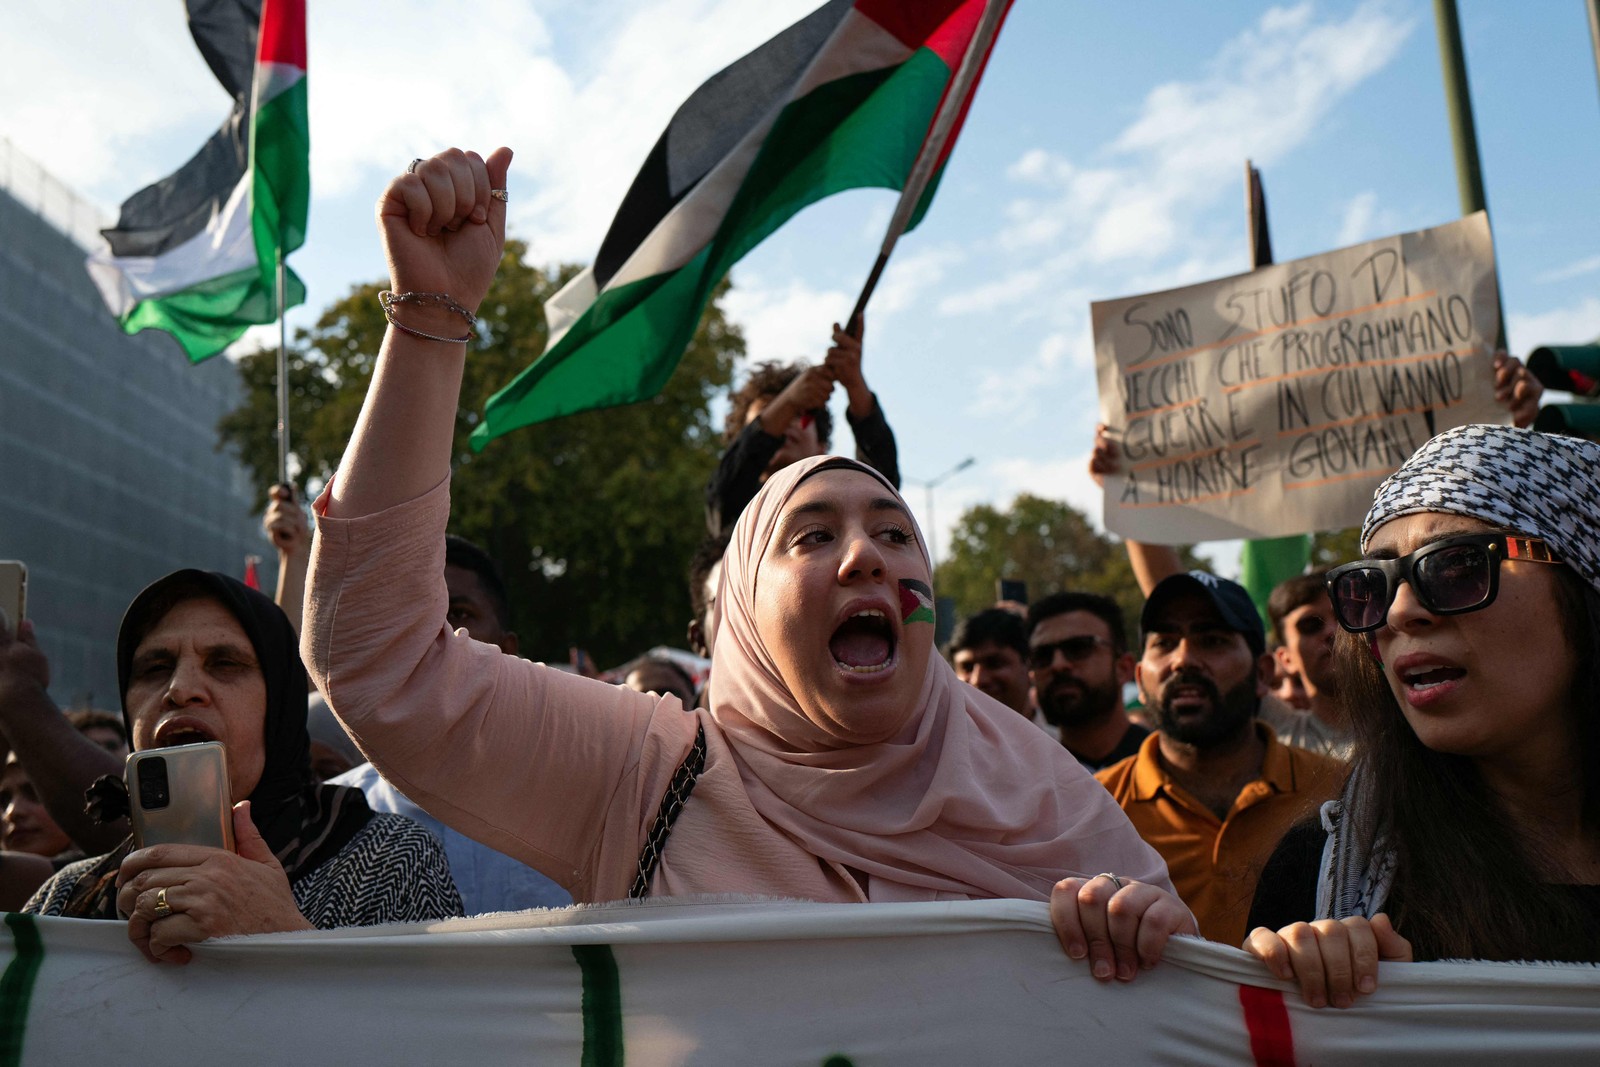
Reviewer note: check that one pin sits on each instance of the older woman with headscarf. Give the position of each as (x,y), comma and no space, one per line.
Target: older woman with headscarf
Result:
(840,759)
(1470,827)
(201,657)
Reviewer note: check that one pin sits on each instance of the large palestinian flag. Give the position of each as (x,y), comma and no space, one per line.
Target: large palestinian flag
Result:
(196,253)
(843,99)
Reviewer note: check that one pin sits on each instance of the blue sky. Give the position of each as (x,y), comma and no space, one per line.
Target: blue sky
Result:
(1103,157)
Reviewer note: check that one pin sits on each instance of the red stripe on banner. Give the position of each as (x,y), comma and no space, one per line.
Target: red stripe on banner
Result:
(283,33)
(1267,1020)
(914,22)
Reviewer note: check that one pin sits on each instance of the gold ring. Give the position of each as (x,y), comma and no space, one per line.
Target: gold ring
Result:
(500,195)
(162,908)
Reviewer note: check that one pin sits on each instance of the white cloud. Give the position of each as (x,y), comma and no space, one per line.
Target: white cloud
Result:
(1357,224)
(1574,324)
(98,85)
(910,274)
(1576,269)
(1264,94)
(785,322)
(1019,392)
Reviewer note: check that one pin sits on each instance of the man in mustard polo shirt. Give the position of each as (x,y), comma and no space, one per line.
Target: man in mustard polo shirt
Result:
(1213,789)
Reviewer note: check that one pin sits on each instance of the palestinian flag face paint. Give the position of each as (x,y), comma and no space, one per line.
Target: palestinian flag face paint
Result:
(916,601)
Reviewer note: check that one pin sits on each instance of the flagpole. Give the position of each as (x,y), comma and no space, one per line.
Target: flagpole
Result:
(932,149)
(283,371)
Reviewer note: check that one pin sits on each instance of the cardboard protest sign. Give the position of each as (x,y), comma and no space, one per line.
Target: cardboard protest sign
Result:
(1274,402)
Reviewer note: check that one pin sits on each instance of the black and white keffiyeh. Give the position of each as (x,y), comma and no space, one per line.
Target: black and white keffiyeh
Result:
(1538,484)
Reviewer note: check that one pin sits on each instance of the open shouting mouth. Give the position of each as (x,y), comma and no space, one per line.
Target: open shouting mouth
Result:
(865,641)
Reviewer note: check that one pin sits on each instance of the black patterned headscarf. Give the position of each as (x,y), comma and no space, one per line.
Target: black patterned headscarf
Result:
(304,824)
(1538,484)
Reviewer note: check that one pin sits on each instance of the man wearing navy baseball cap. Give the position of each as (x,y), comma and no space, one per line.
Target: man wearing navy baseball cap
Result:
(1213,789)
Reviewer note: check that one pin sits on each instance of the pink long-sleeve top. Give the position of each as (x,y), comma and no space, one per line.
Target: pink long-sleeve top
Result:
(561,772)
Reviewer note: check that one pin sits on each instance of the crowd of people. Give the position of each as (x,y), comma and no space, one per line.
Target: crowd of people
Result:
(1387,761)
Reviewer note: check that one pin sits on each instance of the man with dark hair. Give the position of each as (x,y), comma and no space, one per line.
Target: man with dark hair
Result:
(1304,627)
(780,416)
(479,603)
(103,728)
(989,652)
(1079,661)
(1213,790)
(662,676)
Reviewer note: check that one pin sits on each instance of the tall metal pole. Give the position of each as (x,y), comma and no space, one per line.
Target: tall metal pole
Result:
(931,531)
(283,371)
(1463,130)
(1458,99)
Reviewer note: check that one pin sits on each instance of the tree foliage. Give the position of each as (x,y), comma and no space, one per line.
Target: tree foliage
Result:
(1047,543)
(593,517)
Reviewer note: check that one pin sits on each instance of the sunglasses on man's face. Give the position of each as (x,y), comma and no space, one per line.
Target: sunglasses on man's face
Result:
(1449,577)
(1074,649)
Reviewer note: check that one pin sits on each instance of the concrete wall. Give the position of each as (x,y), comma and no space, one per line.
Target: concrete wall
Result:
(109,471)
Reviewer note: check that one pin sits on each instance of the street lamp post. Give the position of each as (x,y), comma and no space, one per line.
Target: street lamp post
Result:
(930,485)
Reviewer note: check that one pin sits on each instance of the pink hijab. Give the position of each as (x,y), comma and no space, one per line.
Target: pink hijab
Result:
(968,800)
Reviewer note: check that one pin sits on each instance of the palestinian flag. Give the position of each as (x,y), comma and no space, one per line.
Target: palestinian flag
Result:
(916,601)
(196,253)
(843,99)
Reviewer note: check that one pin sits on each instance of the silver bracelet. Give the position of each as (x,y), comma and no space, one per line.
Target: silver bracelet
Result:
(441,300)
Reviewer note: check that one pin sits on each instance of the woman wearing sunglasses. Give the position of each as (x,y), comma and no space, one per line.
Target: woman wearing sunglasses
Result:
(1470,826)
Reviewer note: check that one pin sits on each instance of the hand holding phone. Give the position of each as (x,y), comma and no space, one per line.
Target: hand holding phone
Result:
(181,795)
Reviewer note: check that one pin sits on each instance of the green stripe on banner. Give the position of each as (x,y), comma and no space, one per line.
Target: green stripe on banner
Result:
(16,986)
(602,1006)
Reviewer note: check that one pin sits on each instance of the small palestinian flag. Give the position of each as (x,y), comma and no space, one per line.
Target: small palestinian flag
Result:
(843,99)
(916,601)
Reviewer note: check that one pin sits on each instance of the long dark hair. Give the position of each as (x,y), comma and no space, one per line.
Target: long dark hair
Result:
(1470,882)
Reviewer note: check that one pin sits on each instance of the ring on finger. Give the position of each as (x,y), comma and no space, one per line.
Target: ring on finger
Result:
(411,168)
(162,908)
(1114,879)
(500,195)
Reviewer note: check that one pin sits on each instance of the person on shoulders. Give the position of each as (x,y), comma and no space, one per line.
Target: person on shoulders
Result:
(780,415)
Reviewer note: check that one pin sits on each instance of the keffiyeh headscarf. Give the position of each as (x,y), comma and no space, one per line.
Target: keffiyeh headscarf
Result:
(1537,484)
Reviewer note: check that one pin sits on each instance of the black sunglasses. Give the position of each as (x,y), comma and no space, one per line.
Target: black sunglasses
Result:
(1449,577)
(1075,649)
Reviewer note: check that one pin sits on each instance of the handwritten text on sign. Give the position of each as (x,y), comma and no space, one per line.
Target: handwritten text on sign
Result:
(1274,402)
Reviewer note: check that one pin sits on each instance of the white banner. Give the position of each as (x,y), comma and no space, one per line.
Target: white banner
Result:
(1274,402)
(980,982)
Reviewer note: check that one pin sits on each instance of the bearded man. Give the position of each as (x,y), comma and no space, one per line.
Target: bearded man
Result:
(1213,789)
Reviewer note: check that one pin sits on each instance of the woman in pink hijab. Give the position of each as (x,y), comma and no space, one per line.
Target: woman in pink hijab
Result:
(840,760)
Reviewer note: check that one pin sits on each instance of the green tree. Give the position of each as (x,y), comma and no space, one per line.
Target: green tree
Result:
(1335,547)
(1047,543)
(593,517)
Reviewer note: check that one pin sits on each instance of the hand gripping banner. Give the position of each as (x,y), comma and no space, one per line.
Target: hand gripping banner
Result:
(981,982)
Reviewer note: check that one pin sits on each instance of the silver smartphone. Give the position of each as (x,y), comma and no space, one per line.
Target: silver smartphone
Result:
(13,593)
(181,795)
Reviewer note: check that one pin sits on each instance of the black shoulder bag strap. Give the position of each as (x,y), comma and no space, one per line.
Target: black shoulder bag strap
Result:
(677,795)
